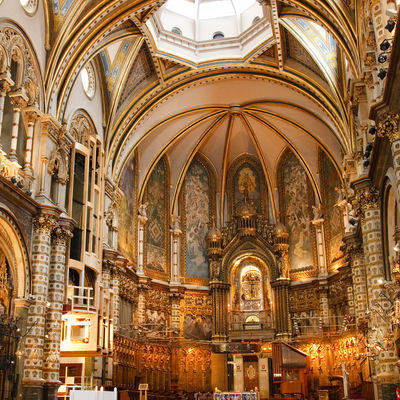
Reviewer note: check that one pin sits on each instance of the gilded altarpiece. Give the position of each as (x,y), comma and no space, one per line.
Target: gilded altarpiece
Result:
(296,198)
(330,186)
(156,233)
(247,170)
(194,369)
(127,225)
(197,206)
(197,322)
(158,309)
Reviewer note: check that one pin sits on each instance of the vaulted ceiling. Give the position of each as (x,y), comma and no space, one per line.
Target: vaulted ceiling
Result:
(289,91)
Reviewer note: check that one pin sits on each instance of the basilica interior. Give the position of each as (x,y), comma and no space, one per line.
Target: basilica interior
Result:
(200,198)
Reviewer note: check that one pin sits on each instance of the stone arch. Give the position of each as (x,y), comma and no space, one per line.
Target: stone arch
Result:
(13,244)
(16,46)
(252,247)
(81,126)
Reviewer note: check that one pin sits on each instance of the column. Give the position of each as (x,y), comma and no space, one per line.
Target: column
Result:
(387,127)
(143,287)
(34,342)
(176,298)
(281,305)
(142,219)
(354,256)
(19,100)
(367,201)
(318,223)
(5,86)
(31,116)
(55,300)
(175,249)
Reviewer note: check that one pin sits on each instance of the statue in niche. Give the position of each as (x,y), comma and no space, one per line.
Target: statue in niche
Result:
(142,211)
(215,271)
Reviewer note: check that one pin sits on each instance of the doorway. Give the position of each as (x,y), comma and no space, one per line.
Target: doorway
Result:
(250,372)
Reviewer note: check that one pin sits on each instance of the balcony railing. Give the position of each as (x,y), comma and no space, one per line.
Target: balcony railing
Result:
(83,299)
(242,321)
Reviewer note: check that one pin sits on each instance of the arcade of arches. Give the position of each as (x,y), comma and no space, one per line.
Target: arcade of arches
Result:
(200,195)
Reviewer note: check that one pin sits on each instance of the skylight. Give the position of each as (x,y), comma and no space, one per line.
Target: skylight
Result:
(199,31)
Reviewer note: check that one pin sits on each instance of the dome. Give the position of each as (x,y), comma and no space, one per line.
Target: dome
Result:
(199,31)
(214,233)
(246,208)
(280,229)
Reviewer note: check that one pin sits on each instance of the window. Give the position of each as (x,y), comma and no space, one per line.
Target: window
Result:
(218,35)
(176,30)
(88,80)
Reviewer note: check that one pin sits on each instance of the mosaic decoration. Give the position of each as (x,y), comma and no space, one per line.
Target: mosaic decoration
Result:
(296,211)
(126,211)
(247,179)
(333,215)
(319,42)
(142,72)
(112,69)
(197,206)
(155,226)
(60,10)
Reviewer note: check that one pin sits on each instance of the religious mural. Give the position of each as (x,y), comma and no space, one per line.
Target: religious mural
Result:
(155,226)
(333,215)
(197,208)
(197,323)
(296,212)
(126,211)
(247,181)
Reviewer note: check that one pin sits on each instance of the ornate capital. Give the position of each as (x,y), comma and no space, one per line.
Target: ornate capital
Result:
(387,126)
(366,199)
(18,99)
(44,224)
(31,115)
(61,235)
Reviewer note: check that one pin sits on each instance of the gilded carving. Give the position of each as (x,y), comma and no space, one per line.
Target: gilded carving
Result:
(387,126)
(44,224)
(81,127)
(366,199)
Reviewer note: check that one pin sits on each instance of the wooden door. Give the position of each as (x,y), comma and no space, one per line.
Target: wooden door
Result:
(250,372)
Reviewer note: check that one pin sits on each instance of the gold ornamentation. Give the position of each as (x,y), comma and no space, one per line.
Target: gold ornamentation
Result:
(387,126)
(44,224)
(81,127)
(366,199)
(61,235)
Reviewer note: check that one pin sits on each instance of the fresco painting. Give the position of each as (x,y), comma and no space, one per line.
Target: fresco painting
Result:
(155,226)
(197,327)
(297,213)
(126,211)
(334,219)
(246,173)
(197,206)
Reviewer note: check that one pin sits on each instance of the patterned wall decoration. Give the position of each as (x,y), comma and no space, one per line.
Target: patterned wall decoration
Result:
(156,240)
(318,42)
(296,199)
(112,69)
(141,73)
(246,168)
(333,215)
(127,210)
(60,10)
(196,217)
(197,323)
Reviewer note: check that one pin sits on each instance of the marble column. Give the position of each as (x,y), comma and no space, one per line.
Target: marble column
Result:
(55,300)
(31,116)
(175,249)
(19,101)
(320,237)
(354,256)
(33,381)
(5,86)
(367,203)
(142,219)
